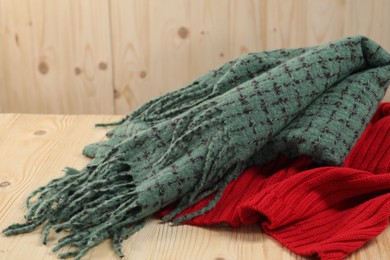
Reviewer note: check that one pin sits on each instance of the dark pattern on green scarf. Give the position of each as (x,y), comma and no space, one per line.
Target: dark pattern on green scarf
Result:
(190,143)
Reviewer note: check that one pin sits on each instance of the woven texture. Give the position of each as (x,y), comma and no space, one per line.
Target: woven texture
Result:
(192,142)
(324,211)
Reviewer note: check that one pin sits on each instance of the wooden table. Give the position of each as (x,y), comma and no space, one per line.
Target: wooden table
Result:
(35,148)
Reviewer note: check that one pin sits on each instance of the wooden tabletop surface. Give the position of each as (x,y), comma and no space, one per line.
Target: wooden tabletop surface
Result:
(35,149)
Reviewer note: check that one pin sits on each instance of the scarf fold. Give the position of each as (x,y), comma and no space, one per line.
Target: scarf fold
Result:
(193,142)
(325,211)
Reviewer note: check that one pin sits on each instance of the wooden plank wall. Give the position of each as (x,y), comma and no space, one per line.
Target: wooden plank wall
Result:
(55,56)
(102,56)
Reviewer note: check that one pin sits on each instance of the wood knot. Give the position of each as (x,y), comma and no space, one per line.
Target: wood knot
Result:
(40,132)
(183,32)
(17,39)
(117,94)
(43,68)
(77,71)
(221,54)
(5,184)
(243,49)
(102,65)
(219,258)
(142,74)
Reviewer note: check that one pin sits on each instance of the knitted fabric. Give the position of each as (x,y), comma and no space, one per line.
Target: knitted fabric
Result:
(191,143)
(324,211)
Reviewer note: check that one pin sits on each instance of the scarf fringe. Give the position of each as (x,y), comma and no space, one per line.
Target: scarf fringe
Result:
(95,204)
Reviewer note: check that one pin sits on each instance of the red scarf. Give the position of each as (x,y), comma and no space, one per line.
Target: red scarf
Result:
(312,210)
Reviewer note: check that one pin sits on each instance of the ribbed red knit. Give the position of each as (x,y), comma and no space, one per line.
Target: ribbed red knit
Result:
(324,211)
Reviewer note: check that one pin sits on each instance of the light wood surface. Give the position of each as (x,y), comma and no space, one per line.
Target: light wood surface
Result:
(55,56)
(160,46)
(102,56)
(35,148)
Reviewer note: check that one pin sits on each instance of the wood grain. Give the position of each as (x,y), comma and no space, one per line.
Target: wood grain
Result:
(101,56)
(35,149)
(55,56)
(161,46)
(165,45)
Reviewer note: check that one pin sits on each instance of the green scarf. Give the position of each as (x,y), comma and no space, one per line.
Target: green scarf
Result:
(190,143)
